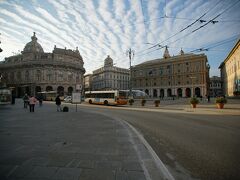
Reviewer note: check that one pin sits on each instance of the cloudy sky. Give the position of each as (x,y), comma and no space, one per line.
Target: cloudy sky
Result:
(109,27)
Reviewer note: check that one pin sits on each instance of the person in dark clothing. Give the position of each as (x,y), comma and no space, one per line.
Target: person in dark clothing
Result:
(13,98)
(58,103)
(40,99)
(25,100)
(208,98)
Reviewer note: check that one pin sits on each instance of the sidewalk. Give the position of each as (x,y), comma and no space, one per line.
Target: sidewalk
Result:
(55,145)
(180,106)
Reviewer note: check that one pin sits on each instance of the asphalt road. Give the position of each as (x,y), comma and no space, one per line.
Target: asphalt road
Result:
(191,146)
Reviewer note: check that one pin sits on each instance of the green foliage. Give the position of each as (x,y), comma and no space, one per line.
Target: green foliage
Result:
(194,100)
(221,100)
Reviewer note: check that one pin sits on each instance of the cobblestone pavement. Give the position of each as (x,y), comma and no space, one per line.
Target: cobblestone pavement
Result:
(48,144)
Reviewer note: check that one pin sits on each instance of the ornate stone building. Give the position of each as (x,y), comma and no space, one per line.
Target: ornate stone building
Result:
(34,70)
(230,71)
(215,86)
(183,75)
(110,77)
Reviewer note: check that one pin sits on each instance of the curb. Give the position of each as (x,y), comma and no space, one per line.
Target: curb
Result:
(159,164)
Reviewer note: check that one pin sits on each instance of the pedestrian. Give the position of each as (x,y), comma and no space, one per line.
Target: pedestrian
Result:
(32,102)
(25,100)
(208,98)
(40,99)
(58,103)
(13,98)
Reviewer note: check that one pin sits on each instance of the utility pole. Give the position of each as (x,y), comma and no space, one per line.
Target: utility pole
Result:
(130,54)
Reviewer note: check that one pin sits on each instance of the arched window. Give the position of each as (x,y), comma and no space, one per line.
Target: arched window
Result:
(49,88)
(70,90)
(60,90)
(197,92)
(154,93)
(188,92)
(179,92)
(161,93)
(169,92)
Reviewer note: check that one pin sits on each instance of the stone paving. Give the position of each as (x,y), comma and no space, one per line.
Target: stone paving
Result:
(48,144)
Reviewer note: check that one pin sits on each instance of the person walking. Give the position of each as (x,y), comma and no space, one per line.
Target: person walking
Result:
(58,103)
(25,100)
(32,102)
(40,99)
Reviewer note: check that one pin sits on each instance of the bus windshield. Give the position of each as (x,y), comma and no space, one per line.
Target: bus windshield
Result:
(5,96)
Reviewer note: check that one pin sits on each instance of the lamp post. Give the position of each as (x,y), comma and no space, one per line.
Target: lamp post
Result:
(130,54)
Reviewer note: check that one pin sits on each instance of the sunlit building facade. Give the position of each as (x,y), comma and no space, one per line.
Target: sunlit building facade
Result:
(230,71)
(183,75)
(110,77)
(35,71)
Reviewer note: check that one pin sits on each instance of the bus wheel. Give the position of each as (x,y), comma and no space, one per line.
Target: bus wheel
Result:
(90,101)
(105,102)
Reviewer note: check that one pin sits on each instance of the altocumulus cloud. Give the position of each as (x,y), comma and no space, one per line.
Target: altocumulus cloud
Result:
(109,27)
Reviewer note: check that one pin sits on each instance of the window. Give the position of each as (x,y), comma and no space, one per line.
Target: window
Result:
(19,75)
(60,76)
(160,71)
(70,76)
(27,75)
(49,76)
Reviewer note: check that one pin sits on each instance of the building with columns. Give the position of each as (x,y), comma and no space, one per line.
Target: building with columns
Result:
(215,88)
(183,75)
(230,71)
(34,70)
(110,77)
(87,82)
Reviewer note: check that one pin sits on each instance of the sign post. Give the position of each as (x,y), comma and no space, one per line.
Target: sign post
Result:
(76,97)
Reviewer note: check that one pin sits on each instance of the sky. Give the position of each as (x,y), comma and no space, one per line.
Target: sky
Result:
(110,27)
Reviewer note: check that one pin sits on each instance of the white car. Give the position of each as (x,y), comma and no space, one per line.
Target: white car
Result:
(68,99)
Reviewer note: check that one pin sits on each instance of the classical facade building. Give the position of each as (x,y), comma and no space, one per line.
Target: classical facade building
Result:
(183,75)
(215,86)
(230,71)
(87,82)
(110,77)
(34,70)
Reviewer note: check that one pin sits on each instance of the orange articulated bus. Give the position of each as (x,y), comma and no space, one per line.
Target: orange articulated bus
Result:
(114,97)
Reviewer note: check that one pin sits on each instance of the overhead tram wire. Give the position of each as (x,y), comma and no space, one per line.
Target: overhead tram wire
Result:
(207,48)
(183,28)
(212,20)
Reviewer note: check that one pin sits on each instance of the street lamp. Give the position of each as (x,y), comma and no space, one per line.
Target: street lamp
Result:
(130,54)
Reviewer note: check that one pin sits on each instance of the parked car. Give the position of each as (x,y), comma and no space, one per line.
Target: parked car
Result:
(68,99)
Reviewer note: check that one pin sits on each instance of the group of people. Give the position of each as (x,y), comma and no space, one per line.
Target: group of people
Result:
(31,101)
